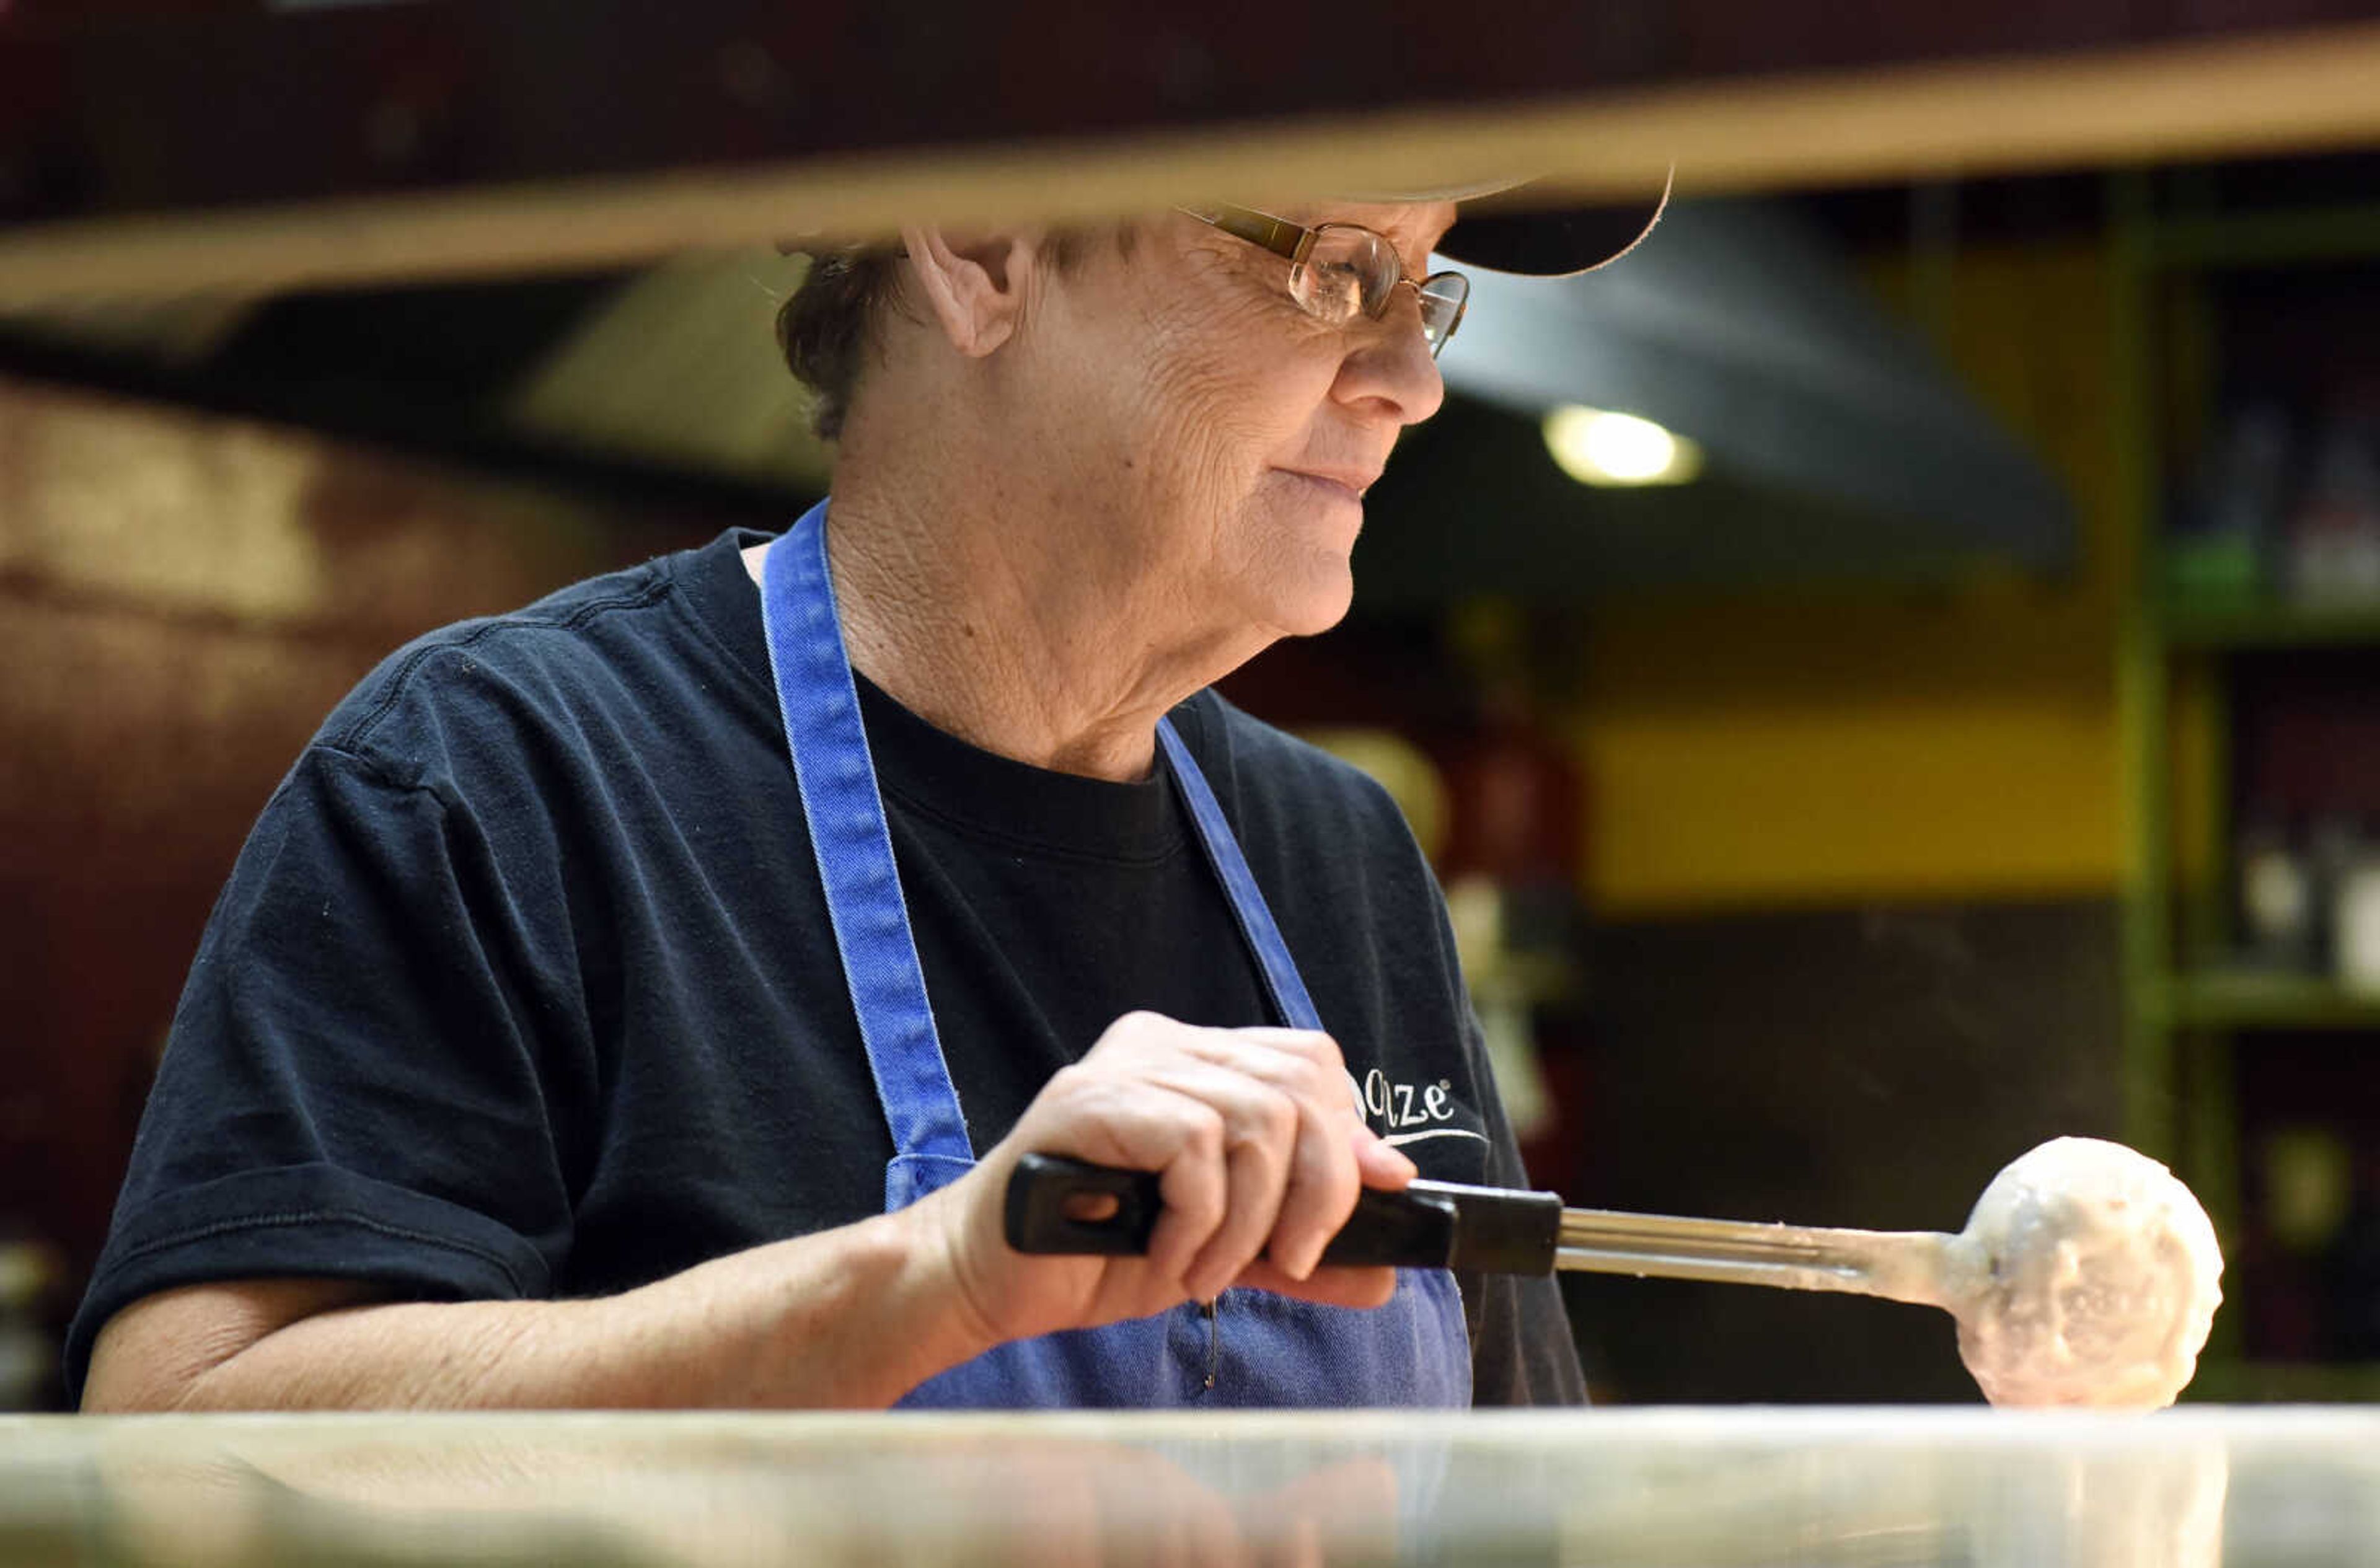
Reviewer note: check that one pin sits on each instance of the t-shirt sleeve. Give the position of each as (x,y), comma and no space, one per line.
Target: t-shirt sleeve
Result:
(1522,1348)
(356,1080)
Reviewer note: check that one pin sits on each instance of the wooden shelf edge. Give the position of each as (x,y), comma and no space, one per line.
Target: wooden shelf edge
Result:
(2277,625)
(2220,999)
(2226,1381)
(2295,236)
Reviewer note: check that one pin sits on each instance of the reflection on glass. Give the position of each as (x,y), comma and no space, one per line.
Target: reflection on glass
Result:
(660,1490)
(1713,1487)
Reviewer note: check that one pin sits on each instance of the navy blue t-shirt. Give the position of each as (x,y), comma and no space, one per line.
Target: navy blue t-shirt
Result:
(522,985)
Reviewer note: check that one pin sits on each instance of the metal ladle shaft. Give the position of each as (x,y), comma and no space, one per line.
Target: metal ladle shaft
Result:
(1898,1265)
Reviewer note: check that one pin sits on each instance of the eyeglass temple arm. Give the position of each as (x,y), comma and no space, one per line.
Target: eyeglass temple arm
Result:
(1279,235)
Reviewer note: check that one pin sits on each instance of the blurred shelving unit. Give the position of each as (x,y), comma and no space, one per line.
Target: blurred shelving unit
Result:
(2231,1380)
(2215,998)
(2270,626)
(2193,1012)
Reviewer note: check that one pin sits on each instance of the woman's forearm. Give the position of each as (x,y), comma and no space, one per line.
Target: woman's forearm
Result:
(851,1317)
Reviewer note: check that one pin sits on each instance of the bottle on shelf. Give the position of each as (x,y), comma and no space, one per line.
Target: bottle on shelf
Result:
(2276,913)
(2334,532)
(2355,920)
(2335,847)
(2351,1272)
(2222,534)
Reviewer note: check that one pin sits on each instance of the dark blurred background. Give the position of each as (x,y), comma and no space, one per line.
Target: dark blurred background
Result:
(1940,721)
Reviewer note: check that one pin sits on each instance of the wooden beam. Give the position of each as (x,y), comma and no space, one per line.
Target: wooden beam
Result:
(2237,95)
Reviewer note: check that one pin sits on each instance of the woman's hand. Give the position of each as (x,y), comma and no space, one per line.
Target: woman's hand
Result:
(1260,1150)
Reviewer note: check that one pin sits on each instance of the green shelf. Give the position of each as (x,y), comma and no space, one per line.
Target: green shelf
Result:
(2233,1000)
(2272,625)
(2264,239)
(2227,1381)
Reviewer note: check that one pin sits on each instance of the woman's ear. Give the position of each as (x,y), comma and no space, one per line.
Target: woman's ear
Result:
(974,285)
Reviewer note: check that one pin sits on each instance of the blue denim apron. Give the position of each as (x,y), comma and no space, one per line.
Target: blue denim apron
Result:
(1251,1348)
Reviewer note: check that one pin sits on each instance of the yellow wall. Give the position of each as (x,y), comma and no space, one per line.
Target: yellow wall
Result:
(1821,748)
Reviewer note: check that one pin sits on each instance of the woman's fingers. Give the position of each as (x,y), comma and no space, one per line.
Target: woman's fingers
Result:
(1196,1185)
(1260,1153)
(1331,1286)
(1261,1130)
(1379,1164)
(1134,1122)
(1308,1121)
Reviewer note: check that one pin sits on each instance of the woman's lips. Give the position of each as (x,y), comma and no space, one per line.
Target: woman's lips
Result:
(1326,485)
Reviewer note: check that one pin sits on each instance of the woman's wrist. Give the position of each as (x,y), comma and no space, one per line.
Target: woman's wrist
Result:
(878,1311)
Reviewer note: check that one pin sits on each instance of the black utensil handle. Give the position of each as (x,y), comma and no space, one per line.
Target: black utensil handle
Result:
(1428,1225)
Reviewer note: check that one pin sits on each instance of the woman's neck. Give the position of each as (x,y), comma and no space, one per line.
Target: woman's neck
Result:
(1000,640)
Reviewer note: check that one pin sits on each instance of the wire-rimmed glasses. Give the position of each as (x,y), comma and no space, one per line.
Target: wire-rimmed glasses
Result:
(1339,271)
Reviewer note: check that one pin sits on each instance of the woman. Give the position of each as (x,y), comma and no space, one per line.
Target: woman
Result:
(643,998)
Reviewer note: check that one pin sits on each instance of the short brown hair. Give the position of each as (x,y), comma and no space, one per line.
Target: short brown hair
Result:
(826,327)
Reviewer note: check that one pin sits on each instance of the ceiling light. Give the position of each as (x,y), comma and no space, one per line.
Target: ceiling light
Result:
(1597,447)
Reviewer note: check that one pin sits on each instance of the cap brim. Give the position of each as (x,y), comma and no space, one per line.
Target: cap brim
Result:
(1550,244)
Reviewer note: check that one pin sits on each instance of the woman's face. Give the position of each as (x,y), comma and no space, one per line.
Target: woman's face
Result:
(1214,439)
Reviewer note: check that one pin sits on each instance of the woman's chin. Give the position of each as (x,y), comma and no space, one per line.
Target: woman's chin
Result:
(1299,577)
(1311,601)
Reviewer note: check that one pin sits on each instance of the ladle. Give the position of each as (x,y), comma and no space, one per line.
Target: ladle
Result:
(2087,1274)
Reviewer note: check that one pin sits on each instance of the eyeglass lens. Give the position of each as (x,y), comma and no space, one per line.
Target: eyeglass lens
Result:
(1346,271)
(1349,271)
(1443,297)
